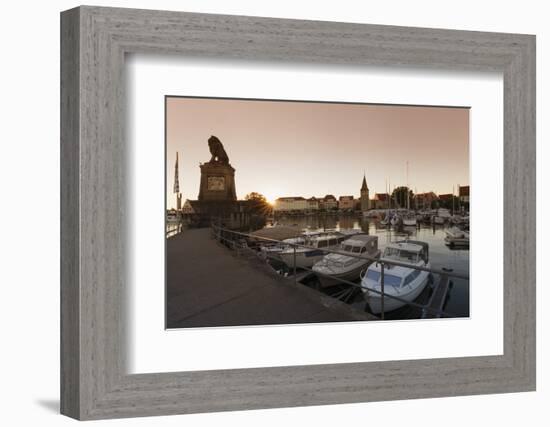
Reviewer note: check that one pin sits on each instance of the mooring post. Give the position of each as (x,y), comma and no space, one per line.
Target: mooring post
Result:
(382,290)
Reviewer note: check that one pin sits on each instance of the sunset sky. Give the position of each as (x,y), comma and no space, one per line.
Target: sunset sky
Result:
(282,148)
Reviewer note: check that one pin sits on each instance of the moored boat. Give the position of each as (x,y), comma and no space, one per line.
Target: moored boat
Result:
(442,216)
(362,248)
(402,281)
(273,250)
(409,220)
(457,237)
(312,250)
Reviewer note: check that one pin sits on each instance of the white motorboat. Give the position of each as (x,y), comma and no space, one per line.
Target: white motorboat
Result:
(457,237)
(404,282)
(339,266)
(442,216)
(409,220)
(313,249)
(273,250)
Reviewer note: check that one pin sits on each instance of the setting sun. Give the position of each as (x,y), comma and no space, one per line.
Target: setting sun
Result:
(271,196)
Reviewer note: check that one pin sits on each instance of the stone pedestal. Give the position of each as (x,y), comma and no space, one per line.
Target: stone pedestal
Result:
(217,182)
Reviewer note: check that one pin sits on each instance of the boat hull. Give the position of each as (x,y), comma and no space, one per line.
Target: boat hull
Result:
(350,275)
(374,300)
(274,254)
(303,259)
(457,241)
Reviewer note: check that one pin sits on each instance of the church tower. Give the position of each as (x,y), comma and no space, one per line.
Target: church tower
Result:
(365,203)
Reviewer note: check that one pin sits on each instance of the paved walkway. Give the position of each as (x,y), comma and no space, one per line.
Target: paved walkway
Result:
(210,285)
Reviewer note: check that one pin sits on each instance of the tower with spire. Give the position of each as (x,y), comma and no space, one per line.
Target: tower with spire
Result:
(365,203)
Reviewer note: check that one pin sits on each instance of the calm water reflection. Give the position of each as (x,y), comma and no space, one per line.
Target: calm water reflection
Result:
(441,256)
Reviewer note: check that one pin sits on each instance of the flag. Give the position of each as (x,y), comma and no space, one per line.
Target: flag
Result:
(176,177)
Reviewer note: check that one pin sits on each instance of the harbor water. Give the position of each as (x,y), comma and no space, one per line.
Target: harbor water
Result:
(441,257)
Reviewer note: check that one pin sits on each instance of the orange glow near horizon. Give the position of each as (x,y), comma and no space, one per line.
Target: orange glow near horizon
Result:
(281,149)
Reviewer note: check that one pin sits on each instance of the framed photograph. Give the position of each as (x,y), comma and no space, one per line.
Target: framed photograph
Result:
(347,247)
(347,211)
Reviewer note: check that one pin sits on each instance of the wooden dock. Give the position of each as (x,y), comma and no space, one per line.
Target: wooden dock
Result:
(438,297)
(209,285)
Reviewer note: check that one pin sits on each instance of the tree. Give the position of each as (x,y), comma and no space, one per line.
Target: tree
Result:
(260,209)
(258,204)
(399,195)
(448,203)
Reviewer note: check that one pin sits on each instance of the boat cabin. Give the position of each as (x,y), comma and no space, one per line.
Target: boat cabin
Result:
(325,240)
(408,251)
(360,244)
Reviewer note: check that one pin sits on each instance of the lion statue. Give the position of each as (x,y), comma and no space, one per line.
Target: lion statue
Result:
(217,150)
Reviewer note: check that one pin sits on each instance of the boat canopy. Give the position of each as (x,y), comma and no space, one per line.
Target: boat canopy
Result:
(360,243)
(424,248)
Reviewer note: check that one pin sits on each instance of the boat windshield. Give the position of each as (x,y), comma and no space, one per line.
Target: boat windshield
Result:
(389,279)
(373,275)
(353,249)
(401,255)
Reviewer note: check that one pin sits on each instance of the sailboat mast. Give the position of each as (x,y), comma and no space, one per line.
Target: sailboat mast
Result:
(388,200)
(459,209)
(453,199)
(408,202)
(389,193)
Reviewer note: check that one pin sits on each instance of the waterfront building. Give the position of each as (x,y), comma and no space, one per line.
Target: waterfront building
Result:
(291,204)
(365,201)
(313,204)
(464,193)
(446,197)
(424,200)
(328,203)
(234,215)
(187,208)
(446,201)
(346,203)
(380,201)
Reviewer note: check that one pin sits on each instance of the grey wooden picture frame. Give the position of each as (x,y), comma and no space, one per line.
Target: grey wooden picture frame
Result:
(94,380)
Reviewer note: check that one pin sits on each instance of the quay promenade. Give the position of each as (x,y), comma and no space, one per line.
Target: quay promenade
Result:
(209,285)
